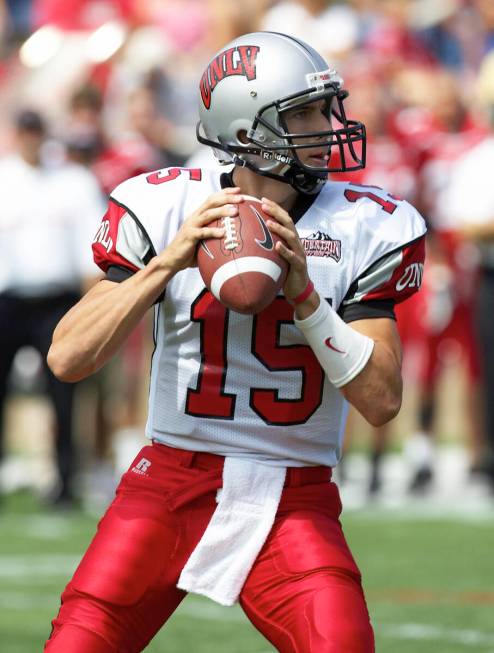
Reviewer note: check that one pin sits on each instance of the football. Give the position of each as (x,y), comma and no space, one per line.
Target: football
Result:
(243,270)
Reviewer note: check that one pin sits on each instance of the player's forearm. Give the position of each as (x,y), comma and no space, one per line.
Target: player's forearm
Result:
(356,360)
(95,328)
(376,392)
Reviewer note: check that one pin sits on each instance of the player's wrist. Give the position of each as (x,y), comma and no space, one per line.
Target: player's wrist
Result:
(341,351)
(305,302)
(308,306)
(303,295)
(164,262)
(160,267)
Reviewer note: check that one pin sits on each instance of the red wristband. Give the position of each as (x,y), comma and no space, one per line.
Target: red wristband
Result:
(303,295)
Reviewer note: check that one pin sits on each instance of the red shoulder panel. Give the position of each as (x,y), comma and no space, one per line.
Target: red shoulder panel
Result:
(104,244)
(407,276)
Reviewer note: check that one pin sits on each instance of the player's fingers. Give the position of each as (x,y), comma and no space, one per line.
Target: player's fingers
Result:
(212,232)
(287,234)
(219,212)
(194,234)
(225,196)
(280,230)
(291,258)
(275,210)
(295,260)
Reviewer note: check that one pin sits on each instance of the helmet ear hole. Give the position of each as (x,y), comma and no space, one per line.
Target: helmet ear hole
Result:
(242,136)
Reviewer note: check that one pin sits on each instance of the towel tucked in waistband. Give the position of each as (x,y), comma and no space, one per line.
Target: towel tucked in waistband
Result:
(247,506)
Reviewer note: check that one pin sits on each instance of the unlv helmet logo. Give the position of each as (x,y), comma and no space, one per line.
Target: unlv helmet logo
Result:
(234,61)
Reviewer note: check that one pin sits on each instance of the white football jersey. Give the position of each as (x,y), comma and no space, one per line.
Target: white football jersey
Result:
(250,386)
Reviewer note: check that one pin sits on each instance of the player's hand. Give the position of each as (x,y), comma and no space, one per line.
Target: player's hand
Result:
(181,252)
(291,248)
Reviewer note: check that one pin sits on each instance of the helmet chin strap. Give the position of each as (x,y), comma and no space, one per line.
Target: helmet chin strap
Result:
(298,178)
(303,182)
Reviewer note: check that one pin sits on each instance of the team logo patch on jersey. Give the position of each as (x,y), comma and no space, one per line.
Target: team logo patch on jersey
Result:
(234,61)
(320,244)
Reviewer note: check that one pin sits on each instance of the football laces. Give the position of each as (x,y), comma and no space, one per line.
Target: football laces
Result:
(230,240)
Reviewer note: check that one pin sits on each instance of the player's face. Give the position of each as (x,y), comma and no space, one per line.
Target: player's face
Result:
(309,118)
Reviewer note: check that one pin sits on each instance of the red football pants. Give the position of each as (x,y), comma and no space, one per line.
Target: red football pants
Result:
(303,593)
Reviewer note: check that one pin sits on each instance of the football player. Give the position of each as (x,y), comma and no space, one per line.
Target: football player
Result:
(233,497)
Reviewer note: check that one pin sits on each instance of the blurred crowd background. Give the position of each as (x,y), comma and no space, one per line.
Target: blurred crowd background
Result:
(95,91)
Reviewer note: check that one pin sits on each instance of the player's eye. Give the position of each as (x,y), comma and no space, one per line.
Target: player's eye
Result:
(299,114)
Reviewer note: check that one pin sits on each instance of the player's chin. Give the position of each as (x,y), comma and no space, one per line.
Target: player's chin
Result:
(316,162)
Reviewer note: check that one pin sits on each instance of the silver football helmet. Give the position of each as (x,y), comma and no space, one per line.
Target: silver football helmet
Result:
(243,96)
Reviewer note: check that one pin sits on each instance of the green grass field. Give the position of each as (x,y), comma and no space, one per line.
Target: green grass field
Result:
(429,584)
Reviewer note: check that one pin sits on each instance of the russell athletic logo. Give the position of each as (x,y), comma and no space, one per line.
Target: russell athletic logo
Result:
(320,244)
(142,467)
(234,61)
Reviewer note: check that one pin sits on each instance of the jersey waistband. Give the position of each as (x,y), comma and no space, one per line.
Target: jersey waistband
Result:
(295,476)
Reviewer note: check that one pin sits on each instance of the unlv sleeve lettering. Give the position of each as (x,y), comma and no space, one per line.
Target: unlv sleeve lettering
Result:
(121,241)
(395,276)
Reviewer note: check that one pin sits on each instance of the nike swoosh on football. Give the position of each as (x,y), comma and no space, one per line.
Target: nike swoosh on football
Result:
(206,249)
(327,342)
(267,243)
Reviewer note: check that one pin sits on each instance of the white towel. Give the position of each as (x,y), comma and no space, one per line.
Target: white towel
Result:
(247,505)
